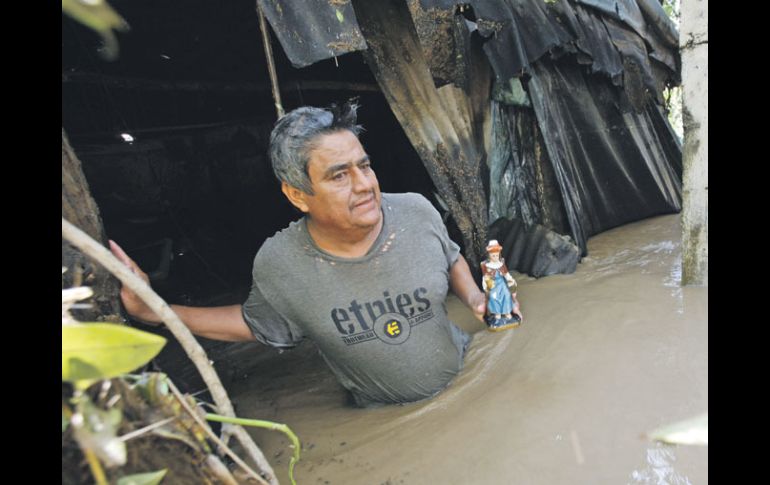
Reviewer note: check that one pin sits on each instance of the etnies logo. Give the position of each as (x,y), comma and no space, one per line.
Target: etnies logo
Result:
(390,319)
(393,328)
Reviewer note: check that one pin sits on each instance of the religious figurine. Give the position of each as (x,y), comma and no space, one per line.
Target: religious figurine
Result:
(500,288)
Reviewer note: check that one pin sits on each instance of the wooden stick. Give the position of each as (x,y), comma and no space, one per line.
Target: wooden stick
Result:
(270,63)
(91,248)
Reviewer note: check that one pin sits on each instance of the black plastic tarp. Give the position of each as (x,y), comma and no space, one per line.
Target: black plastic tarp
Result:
(640,15)
(613,167)
(599,148)
(520,32)
(313,30)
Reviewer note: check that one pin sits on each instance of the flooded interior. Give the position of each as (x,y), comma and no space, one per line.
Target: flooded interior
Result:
(605,354)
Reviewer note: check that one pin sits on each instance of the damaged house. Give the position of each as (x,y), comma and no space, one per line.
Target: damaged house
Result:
(536,122)
(542,118)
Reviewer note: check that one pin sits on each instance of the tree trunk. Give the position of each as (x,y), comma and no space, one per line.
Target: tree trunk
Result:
(79,208)
(695,215)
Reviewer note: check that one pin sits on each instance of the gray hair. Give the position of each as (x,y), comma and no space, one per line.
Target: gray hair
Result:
(296,133)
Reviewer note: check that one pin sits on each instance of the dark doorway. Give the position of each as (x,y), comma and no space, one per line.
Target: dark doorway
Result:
(191,196)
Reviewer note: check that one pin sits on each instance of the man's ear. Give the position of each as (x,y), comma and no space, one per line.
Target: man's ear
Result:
(295,196)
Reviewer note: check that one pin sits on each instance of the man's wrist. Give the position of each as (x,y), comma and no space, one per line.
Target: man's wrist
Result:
(148,317)
(475,299)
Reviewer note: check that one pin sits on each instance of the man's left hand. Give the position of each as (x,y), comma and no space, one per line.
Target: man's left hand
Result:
(516,307)
(478,306)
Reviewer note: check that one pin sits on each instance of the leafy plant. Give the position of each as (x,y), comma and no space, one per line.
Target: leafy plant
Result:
(99,16)
(92,352)
(259,423)
(692,431)
(95,351)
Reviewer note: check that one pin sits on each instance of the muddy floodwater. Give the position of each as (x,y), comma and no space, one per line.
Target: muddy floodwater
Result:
(605,354)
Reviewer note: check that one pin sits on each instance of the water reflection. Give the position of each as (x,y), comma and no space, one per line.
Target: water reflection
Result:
(659,469)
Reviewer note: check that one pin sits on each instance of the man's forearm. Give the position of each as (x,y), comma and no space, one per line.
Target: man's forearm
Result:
(462,283)
(217,323)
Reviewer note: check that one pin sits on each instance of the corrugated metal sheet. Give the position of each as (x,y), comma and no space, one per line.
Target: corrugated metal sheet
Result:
(312,30)
(444,125)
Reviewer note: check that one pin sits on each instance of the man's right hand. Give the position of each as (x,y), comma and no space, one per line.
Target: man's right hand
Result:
(134,305)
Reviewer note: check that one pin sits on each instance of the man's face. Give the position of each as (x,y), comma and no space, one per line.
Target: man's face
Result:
(494,256)
(346,194)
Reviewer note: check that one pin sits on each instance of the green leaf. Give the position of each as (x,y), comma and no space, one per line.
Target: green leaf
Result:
(152,386)
(340,17)
(693,431)
(152,478)
(99,16)
(104,350)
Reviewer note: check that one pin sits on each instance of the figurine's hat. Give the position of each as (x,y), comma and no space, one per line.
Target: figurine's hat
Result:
(494,246)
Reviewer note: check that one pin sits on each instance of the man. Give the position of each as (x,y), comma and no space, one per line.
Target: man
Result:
(363,274)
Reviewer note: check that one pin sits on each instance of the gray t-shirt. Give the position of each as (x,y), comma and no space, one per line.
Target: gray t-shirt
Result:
(380,320)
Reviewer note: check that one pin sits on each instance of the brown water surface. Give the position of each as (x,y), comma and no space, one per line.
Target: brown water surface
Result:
(605,354)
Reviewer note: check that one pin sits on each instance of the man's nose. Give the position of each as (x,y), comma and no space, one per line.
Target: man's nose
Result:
(362,182)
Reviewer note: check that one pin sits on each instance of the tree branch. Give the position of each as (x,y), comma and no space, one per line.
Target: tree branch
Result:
(203,424)
(91,248)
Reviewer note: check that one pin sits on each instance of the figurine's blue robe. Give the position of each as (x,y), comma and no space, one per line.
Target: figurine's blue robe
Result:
(500,301)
